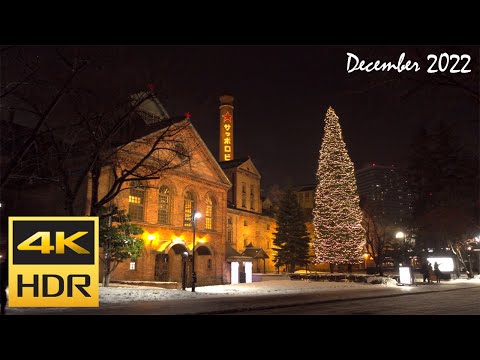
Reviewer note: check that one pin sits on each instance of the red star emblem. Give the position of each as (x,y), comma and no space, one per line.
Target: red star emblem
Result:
(227,117)
(187,115)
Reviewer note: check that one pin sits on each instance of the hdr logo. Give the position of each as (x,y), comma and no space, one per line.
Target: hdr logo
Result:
(53,261)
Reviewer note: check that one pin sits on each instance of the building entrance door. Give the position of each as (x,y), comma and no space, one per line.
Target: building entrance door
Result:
(161,267)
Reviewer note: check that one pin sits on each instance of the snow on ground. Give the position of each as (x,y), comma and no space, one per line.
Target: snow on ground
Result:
(116,294)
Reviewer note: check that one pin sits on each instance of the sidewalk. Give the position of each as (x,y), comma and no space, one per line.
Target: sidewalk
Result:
(221,299)
(316,296)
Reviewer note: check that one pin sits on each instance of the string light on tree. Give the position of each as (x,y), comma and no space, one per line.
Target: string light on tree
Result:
(337,217)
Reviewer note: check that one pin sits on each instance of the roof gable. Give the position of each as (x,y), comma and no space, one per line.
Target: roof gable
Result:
(241,163)
(248,166)
(203,163)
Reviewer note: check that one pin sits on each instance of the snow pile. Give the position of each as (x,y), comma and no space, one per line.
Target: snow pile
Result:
(387,281)
(124,294)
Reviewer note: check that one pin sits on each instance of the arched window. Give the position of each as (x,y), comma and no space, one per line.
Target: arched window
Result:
(164,205)
(136,201)
(210,210)
(188,208)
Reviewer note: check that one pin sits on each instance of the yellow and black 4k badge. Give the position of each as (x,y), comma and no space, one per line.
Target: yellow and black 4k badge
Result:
(53,261)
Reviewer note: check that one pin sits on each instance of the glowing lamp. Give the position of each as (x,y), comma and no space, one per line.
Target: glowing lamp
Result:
(151,237)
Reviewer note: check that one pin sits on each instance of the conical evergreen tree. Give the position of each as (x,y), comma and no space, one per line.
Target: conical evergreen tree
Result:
(339,236)
(291,239)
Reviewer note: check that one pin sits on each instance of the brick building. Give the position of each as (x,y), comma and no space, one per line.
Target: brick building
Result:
(164,209)
(231,235)
(232,232)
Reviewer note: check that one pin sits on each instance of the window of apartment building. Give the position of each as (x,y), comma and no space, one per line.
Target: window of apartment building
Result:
(244,195)
(133,265)
(229,230)
(210,210)
(136,201)
(188,208)
(252,198)
(164,205)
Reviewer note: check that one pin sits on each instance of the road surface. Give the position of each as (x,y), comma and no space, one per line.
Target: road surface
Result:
(452,302)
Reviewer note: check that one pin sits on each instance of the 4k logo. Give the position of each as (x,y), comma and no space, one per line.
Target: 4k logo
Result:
(45,247)
(53,261)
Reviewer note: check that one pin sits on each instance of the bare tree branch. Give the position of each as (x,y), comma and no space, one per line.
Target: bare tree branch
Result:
(41,121)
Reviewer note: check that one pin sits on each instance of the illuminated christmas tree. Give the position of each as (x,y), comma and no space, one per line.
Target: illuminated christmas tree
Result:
(337,217)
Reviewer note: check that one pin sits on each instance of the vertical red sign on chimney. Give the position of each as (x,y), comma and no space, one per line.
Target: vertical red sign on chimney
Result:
(225,152)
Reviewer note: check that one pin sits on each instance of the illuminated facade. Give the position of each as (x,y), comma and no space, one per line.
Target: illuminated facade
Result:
(249,232)
(231,235)
(306,198)
(164,209)
(247,227)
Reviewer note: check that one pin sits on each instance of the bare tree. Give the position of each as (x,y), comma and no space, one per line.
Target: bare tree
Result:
(80,135)
(453,225)
(99,142)
(377,237)
(16,97)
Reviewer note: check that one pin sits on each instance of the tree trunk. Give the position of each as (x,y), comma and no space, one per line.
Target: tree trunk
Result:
(106,280)
(332,267)
(380,270)
(107,271)
(470,270)
(69,206)
(95,185)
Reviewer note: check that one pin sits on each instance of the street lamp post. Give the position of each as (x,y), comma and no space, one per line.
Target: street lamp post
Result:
(184,270)
(194,276)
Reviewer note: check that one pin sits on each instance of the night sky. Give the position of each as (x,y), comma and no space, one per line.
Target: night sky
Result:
(282,94)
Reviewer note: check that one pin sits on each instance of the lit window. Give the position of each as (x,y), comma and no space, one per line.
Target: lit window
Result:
(133,265)
(164,205)
(189,205)
(210,210)
(136,200)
